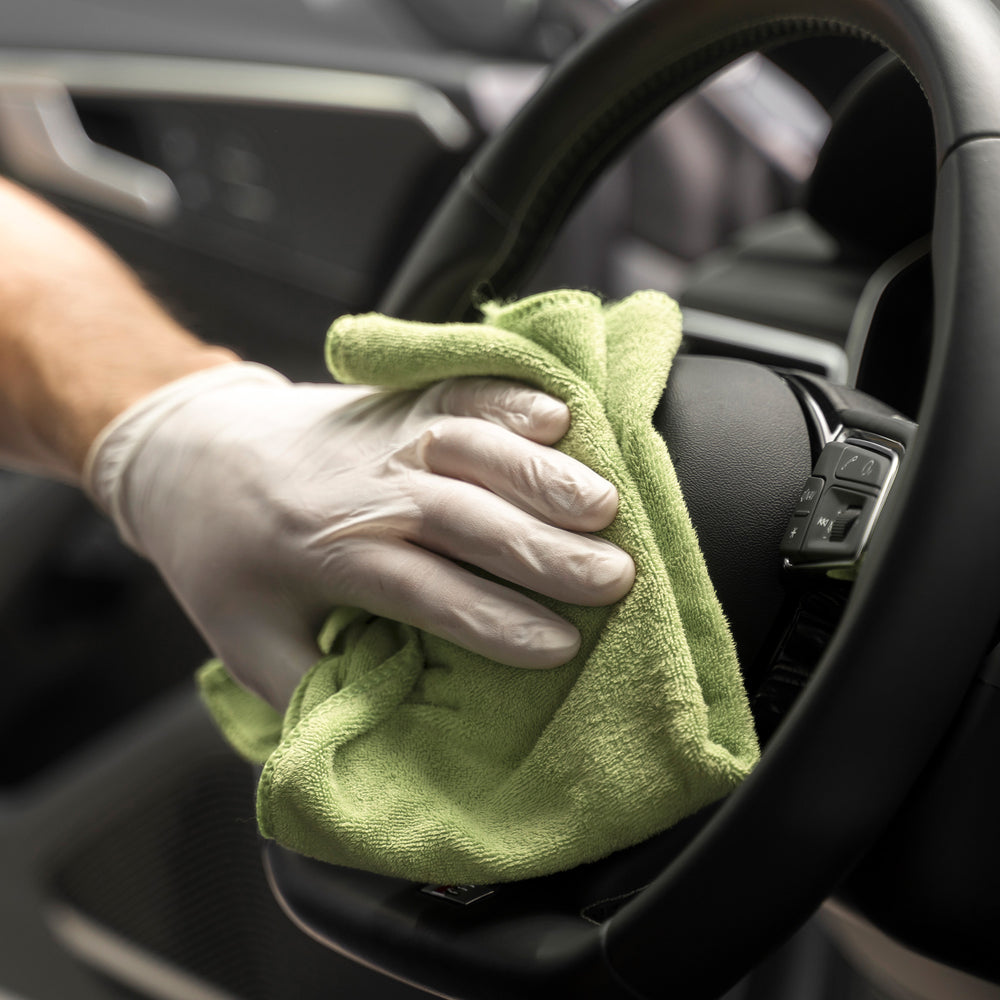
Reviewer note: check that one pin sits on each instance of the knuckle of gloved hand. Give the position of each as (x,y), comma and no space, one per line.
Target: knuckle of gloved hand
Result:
(540,642)
(505,402)
(531,474)
(467,396)
(515,406)
(452,396)
(549,417)
(598,502)
(605,572)
(433,520)
(421,595)
(347,567)
(484,615)
(360,571)
(289,509)
(526,411)
(587,501)
(431,399)
(424,450)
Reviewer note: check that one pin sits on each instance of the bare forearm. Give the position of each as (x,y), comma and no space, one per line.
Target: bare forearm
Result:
(80,340)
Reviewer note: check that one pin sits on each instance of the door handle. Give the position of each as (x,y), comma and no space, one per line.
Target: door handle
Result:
(44,143)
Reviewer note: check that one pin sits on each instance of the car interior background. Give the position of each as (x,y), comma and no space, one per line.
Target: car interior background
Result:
(786,204)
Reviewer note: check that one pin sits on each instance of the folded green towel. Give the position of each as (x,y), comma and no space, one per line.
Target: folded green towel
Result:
(403,754)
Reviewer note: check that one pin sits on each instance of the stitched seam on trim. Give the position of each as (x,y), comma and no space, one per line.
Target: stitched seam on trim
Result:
(610,899)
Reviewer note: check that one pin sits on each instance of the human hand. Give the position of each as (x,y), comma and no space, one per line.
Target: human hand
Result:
(264,504)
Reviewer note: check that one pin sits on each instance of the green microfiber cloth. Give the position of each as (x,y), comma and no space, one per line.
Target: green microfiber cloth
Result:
(403,754)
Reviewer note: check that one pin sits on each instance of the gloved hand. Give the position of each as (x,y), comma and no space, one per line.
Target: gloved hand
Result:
(264,504)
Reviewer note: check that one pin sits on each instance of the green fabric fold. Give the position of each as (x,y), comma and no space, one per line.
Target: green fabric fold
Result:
(403,754)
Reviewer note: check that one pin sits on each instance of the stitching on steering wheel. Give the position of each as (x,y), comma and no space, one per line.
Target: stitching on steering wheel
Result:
(613,125)
(599,911)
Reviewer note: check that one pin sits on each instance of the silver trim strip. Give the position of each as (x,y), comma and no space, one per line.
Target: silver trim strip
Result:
(125,962)
(781,345)
(893,969)
(871,295)
(826,432)
(44,143)
(102,74)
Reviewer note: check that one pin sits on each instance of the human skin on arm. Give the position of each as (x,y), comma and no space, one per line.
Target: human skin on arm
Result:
(263,504)
(80,339)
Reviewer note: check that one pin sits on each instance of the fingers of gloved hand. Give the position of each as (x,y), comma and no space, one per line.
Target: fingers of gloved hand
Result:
(465,522)
(411,585)
(525,411)
(534,477)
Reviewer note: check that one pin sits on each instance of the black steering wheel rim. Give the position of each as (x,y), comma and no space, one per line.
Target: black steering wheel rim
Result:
(897,669)
(507,204)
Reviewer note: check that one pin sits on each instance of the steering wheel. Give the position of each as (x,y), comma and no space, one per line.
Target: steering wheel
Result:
(921,614)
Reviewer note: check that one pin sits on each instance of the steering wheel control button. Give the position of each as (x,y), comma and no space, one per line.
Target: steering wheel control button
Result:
(837,527)
(838,504)
(798,525)
(829,461)
(795,535)
(809,496)
(842,525)
(861,465)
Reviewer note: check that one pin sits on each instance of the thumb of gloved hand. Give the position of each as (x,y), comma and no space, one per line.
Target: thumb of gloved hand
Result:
(264,504)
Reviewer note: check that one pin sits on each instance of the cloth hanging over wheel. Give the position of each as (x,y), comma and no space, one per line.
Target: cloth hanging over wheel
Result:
(402,754)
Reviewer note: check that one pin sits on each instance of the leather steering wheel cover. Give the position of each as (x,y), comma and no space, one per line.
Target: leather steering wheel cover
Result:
(897,669)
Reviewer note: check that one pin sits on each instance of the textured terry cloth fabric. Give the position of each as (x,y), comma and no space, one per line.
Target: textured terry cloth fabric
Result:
(403,754)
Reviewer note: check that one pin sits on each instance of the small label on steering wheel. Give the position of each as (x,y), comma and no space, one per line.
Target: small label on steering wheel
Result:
(461,894)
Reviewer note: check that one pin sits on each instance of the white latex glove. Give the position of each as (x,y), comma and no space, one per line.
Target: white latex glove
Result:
(265,504)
